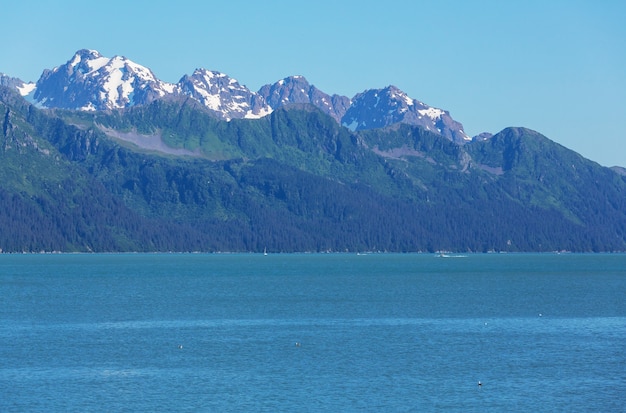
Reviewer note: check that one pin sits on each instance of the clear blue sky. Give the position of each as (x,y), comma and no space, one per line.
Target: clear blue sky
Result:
(555,66)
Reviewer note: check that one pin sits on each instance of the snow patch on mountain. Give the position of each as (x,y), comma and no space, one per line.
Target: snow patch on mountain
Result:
(92,59)
(26,88)
(432,113)
(22,87)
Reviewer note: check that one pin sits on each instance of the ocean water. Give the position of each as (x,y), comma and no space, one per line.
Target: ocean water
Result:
(313,333)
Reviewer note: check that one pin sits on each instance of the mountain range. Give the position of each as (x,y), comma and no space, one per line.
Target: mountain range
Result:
(92,82)
(101,155)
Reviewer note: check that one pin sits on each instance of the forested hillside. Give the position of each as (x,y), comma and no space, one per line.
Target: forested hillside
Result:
(168,176)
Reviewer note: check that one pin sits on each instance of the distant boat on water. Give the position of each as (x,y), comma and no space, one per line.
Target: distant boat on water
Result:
(444,255)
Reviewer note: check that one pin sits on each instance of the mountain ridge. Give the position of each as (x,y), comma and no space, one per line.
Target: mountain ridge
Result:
(92,82)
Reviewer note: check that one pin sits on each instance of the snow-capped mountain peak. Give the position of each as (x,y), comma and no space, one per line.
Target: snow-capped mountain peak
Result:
(87,61)
(90,81)
(223,95)
(398,95)
(376,108)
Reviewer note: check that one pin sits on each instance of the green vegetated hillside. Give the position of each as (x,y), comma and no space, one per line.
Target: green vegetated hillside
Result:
(170,177)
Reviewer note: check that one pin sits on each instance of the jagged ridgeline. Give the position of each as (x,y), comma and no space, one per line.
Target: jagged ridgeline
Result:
(171,176)
(92,82)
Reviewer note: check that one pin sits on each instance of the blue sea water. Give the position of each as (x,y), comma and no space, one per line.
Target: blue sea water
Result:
(312,332)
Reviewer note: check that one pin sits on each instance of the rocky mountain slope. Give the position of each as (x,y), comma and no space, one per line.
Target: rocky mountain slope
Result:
(296,89)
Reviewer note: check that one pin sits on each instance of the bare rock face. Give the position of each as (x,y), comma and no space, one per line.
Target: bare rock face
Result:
(296,89)
(377,108)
